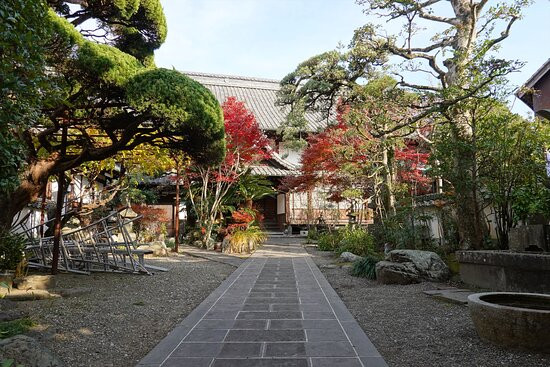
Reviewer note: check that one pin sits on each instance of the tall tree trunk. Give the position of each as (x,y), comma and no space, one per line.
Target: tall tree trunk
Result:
(59,206)
(469,216)
(389,196)
(57,223)
(33,182)
(471,229)
(470,221)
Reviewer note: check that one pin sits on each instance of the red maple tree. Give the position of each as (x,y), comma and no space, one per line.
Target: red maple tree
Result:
(346,156)
(246,145)
(411,166)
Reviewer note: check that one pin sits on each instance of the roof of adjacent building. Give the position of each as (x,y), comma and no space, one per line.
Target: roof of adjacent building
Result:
(275,166)
(526,92)
(259,96)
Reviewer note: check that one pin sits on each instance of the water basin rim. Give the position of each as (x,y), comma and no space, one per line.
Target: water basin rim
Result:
(476,298)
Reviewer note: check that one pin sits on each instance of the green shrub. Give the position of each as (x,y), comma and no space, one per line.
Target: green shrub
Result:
(357,241)
(14,327)
(354,240)
(170,243)
(329,241)
(399,232)
(11,250)
(312,235)
(365,267)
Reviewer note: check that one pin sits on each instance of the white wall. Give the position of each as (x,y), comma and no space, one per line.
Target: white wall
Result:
(281,205)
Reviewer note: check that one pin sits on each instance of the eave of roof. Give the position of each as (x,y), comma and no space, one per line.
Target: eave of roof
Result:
(269,171)
(525,92)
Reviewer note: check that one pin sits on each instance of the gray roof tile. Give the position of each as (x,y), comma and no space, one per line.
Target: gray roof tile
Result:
(259,96)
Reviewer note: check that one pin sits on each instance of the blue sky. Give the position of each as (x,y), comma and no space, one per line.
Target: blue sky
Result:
(268,38)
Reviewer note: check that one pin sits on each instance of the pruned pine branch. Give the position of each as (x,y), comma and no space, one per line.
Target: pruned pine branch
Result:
(410,55)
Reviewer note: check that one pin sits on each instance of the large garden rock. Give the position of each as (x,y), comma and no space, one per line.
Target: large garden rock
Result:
(158,247)
(349,257)
(410,266)
(26,351)
(388,272)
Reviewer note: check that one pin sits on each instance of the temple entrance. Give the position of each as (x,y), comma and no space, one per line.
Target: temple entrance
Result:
(268,208)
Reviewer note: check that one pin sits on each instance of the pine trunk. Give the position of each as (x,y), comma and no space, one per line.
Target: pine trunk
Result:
(33,183)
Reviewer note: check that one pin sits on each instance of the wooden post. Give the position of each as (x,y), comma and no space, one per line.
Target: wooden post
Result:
(177,217)
(43,210)
(59,205)
(309,212)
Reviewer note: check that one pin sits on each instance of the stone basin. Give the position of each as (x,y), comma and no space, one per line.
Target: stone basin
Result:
(515,320)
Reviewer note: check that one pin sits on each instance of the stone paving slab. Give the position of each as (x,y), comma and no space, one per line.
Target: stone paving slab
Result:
(232,260)
(276,309)
(451,295)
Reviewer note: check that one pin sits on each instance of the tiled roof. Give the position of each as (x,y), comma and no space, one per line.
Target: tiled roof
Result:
(283,162)
(276,166)
(259,96)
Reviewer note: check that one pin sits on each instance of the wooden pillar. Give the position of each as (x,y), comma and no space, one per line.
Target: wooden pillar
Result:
(287,208)
(177,209)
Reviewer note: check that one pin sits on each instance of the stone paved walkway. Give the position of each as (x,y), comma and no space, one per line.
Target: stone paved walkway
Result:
(276,309)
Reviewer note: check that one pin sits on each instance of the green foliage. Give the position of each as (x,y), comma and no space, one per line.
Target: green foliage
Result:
(365,267)
(147,33)
(245,190)
(329,241)
(317,83)
(95,65)
(355,240)
(170,243)
(15,327)
(530,200)
(313,235)
(11,250)
(136,27)
(511,165)
(140,196)
(106,65)
(400,232)
(108,94)
(22,42)
(508,152)
(185,108)
(252,187)
(293,129)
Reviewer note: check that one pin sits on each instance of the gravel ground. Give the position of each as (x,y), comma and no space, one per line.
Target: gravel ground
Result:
(412,329)
(122,317)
